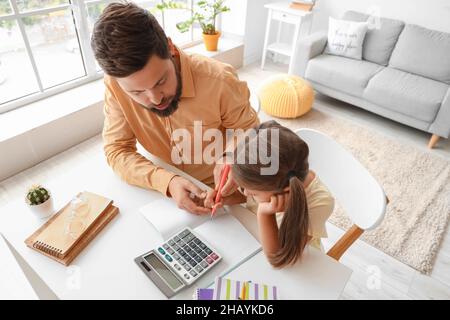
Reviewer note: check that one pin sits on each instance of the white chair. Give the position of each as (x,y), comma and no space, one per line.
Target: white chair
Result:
(361,196)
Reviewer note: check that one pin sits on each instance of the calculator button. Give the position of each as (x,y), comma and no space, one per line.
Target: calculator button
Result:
(196,240)
(209,260)
(177,267)
(198,268)
(193,263)
(161,250)
(185,236)
(193,255)
(208,251)
(192,245)
(202,245)
(170,250)
(166,246)
(176,256)
(214,256)
(187,267)
(198,250)
(182,262)
(175,247)
(188,259)
(182,252)
(177,239)
(193,273)
(171,242)
(204,264)
(168,258)
(198,259)
(188,238)
(187,276)
(203,255)
(184,233)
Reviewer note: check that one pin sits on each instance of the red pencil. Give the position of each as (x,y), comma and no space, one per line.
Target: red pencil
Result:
(223,179)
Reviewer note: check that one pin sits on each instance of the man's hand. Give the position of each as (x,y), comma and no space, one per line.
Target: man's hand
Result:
(180,189)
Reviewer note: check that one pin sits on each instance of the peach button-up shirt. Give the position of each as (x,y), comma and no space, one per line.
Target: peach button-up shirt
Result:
(211,93)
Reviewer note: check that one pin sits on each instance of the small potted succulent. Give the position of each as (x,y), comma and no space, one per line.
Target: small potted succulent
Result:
(40,201)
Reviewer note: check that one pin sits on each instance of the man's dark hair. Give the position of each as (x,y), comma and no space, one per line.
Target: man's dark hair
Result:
(125,37)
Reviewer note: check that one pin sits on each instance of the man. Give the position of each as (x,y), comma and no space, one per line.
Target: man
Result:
(154,89)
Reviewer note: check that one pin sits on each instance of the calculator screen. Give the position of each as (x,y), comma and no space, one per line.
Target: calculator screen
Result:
(163,271)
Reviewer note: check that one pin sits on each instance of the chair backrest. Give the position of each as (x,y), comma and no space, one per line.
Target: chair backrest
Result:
(351,184)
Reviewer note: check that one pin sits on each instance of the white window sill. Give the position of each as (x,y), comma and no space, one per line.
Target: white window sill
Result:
(36,114)
(225,45)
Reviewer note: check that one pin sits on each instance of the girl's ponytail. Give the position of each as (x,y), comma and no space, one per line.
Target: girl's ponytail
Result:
(293,232)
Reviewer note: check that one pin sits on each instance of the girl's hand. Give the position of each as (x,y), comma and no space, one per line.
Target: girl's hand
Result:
(235,198)
(277,204)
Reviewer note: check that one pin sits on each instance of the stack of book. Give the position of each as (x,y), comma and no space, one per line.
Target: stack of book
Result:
(70,230)
(302,5)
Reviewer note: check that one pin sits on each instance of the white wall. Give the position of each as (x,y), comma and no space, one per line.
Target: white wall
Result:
(234,21)
(433,14)
(255,28)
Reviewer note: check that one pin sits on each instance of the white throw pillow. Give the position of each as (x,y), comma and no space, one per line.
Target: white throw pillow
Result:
(345,38)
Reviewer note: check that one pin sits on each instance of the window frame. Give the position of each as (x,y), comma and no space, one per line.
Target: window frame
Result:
(80,16)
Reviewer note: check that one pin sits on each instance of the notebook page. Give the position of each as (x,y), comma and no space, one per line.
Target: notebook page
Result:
(168,219)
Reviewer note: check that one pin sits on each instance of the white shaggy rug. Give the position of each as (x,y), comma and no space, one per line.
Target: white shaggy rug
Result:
(417,184)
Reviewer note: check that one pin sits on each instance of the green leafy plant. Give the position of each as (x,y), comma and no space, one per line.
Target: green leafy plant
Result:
(205,13)
(37,195)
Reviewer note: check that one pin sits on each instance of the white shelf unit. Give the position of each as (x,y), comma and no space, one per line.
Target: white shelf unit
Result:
(282,13)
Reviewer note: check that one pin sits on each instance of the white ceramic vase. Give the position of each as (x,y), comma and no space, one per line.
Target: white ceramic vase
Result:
(43,210)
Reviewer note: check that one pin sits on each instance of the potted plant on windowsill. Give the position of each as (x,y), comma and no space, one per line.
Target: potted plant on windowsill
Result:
(205,13)
(40,201)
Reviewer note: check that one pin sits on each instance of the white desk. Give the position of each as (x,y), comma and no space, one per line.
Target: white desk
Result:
(281,12)
(106,270)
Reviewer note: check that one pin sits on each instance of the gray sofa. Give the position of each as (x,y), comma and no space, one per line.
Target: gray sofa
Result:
(404,73)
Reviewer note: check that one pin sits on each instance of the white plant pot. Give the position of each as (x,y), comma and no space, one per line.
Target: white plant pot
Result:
(43,210)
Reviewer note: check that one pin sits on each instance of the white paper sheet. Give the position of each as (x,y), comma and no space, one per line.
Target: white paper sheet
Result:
(168,219)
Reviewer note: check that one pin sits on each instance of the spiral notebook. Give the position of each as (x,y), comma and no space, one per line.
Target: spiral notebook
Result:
(53,240)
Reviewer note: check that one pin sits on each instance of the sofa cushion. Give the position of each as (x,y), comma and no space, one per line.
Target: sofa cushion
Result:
(406,93)
(423,52)
(344,74)
(381,37)
(346,38)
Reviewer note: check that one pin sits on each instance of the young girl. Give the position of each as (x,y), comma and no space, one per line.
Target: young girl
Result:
(292,205)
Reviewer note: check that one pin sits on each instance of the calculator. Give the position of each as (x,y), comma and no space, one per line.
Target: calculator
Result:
(178,262)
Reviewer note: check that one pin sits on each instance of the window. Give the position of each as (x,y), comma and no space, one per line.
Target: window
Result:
(45,45)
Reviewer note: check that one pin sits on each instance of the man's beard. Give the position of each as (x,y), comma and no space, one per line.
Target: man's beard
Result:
(173,106)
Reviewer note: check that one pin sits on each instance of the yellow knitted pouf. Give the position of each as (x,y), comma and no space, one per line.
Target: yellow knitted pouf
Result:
(286,96)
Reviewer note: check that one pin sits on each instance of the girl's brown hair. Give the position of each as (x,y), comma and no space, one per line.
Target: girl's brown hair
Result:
(293,169)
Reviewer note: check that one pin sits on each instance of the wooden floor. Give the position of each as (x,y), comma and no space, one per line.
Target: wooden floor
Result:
(376,275)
